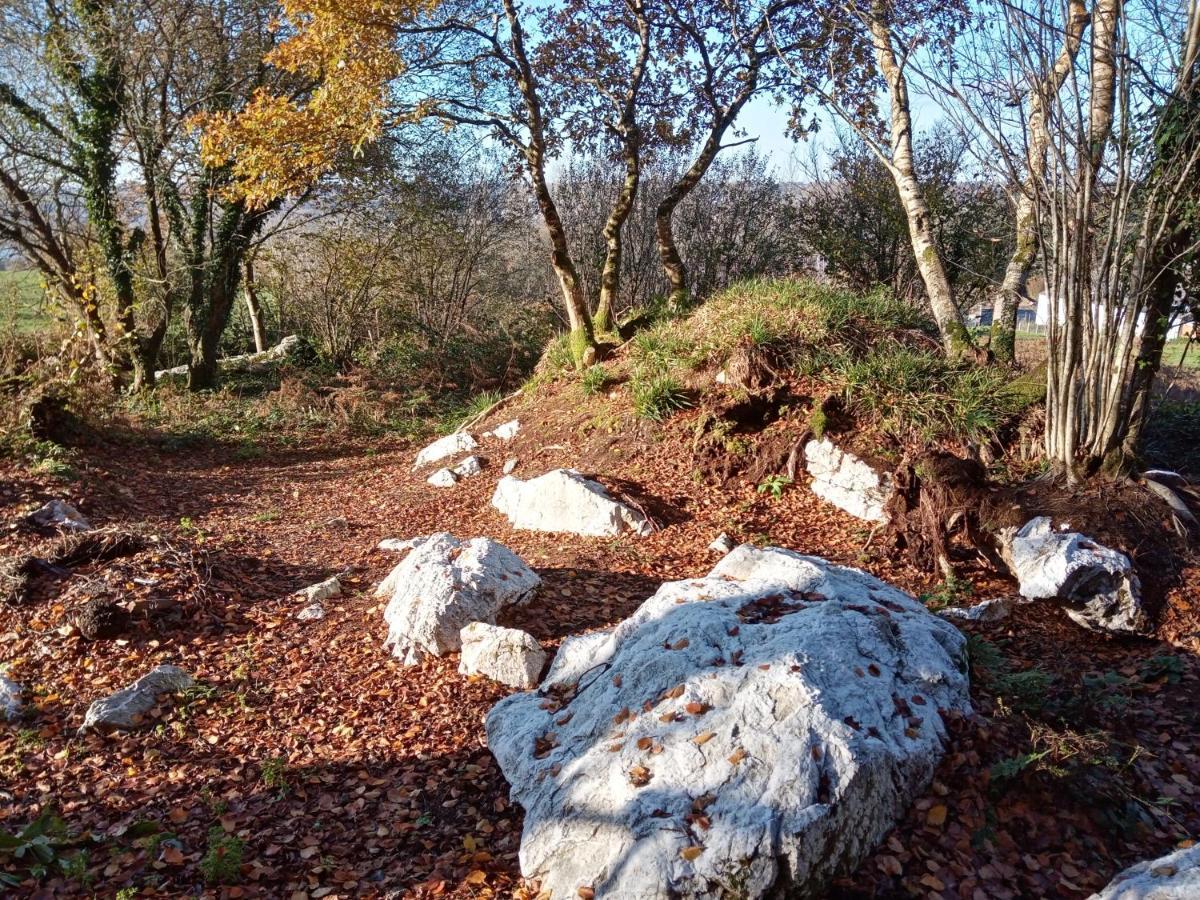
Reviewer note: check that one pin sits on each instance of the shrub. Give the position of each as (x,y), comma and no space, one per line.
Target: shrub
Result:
(223,862)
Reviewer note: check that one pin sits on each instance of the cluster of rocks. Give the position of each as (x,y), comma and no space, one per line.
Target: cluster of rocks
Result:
(1096,585)
(456,444)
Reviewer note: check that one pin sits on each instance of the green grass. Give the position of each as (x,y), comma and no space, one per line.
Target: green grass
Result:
(1173,353)
(22,302)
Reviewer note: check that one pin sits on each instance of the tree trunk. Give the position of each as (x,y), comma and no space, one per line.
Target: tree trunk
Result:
(955,338)
(1016,275)
(582,337)
(253,307)
(610,276)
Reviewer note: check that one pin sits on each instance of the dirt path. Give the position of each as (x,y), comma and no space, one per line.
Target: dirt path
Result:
(345,774)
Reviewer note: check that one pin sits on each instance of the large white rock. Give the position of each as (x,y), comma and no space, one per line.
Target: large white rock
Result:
(450,445)
(756,731)
(10,698)
(562,500)
(846,481)
(506,655)
(59,514)
(1175,876)
(443,585)
(124,709)
(1097,586)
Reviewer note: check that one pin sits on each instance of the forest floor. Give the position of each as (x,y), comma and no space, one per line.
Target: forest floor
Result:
(310,763)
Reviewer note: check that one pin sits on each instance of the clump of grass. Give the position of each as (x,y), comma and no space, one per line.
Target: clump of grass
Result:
(656,397)
(911,393)
(594,379)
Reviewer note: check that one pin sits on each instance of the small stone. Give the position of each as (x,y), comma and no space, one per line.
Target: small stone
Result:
(10,697)
(510,466)
(312,613)
(472,465)
(442,478)
(1096,585)
(846,481)
(988,611)
(1175,876)
(723,544)
(330,587)
(507,431)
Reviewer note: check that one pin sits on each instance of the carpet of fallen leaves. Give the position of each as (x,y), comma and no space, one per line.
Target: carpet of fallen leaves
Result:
(342,773)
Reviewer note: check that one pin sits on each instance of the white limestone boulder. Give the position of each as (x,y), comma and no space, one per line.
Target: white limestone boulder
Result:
(443,585)
(451,445)
(124,710)
(1175,876)
(846,481)
(322,590)
(762,727)
(1096,585)
(564,501)
(59,514)
(506,655)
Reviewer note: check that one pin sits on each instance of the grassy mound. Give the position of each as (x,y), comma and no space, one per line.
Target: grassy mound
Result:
(879,354)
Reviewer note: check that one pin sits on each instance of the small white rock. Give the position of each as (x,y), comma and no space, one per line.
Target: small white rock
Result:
(988,611)
(507,431)
(506,655)
(442,478)
(450,445)
(510,466)
(312,613)
(315,593)
(468,467)
(10,698)
(723,544)
(846,481)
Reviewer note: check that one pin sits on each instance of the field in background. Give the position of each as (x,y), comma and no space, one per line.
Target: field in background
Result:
(22,305)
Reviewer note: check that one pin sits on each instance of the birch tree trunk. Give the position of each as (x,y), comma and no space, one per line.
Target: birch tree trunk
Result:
(1016,274)
(253,307)
(955,338)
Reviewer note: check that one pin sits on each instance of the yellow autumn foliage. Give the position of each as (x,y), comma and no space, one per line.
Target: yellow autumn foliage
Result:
(277,145)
